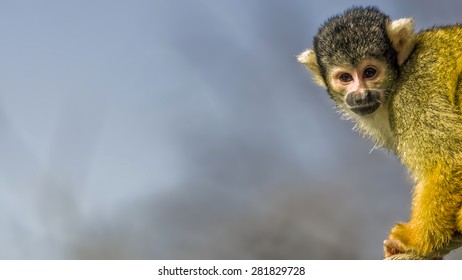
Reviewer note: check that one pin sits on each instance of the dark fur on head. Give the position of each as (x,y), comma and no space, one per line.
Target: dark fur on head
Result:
(350,37)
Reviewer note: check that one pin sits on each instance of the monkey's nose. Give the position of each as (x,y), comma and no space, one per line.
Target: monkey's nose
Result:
(358,98)
(364,102)
(361,98)
(368,96)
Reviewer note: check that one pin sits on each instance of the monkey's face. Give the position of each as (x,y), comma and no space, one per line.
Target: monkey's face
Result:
(360,89)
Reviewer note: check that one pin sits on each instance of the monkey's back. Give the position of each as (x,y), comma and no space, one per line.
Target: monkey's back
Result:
(426,107)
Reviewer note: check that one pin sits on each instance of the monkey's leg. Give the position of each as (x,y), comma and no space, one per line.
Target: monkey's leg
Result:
(436,202)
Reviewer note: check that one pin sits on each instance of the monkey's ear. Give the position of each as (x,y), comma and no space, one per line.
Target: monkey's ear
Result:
(402,36)
(308,58)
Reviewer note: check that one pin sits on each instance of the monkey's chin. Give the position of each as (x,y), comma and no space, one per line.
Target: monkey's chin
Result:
(365,109)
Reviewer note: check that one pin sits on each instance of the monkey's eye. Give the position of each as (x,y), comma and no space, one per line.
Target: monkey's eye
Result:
(369,72)
(345,78)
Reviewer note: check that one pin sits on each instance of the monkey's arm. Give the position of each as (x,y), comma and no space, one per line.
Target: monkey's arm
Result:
(434,226)
(434,216)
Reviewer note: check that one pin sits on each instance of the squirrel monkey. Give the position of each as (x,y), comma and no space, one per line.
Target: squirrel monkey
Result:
(404,90)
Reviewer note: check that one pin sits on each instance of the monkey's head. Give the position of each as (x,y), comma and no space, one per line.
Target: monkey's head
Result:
(356,56)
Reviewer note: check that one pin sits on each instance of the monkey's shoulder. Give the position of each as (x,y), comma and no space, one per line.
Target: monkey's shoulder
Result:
(431,79)
(437,56)
(441,37)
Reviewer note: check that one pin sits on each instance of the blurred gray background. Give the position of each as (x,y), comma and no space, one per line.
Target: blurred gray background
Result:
(185,129)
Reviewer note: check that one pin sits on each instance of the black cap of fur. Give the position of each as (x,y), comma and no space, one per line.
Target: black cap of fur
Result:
(350,37)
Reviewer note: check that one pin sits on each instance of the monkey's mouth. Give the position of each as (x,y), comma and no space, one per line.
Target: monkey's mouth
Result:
(363,103)
(365,109)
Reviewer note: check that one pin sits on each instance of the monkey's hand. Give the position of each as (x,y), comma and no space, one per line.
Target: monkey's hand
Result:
(392,247)
(393,250)
(406,243)
(395,245)
(400,238)
(396,249)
